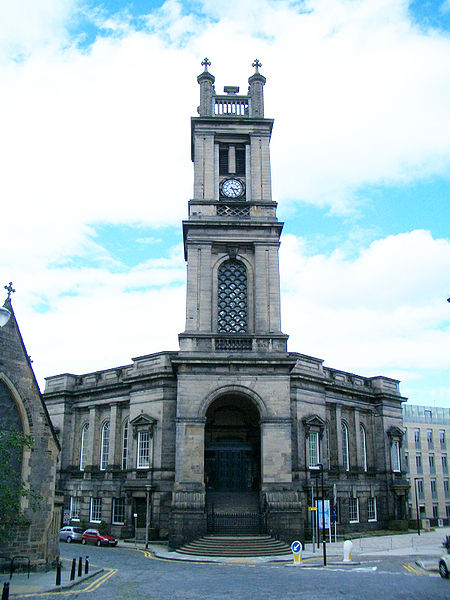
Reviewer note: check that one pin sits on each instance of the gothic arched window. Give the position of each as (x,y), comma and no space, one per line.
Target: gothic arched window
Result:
(104,447)
(84,445)
(232,311)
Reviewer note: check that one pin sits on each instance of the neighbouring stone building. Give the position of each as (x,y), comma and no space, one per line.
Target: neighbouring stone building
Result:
(232,421)
(22,410)
(426,446)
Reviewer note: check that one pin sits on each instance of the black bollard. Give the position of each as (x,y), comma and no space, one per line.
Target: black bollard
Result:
(86,565)
(58,573)
(5,593)
(72,570)
(80,566)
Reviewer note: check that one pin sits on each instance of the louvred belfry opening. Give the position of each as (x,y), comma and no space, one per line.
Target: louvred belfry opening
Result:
(232,297)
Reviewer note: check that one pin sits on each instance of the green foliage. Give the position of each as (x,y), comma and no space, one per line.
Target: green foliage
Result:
(12,488)
(103,527)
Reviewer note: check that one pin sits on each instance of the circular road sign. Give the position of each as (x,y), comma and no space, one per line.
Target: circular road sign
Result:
(296,547)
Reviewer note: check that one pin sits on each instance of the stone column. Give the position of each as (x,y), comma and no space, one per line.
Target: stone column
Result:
(189,460)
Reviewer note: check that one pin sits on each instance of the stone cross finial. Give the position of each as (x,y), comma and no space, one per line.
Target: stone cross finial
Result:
(256,64)
(206,63)
(9,288)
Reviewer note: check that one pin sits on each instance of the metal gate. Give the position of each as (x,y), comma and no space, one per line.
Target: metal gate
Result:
(221,523)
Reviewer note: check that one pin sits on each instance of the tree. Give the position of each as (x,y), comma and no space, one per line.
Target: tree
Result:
(12,488)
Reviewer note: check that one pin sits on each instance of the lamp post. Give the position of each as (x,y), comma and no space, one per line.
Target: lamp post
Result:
(319,467)
(416,489)
(147,513)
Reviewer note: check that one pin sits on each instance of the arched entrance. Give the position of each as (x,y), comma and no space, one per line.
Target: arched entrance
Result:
(232,445)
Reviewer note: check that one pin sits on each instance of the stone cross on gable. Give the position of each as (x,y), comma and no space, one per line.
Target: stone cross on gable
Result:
(9,288)
(206,63)
(256,64)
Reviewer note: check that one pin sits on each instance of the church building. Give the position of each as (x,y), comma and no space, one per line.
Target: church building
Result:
(221,434)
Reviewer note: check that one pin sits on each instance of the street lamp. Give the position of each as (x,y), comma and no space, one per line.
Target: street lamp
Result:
(319,467)
(416,489)
(4,316)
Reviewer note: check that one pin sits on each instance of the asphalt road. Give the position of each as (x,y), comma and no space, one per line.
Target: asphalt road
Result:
(132,575)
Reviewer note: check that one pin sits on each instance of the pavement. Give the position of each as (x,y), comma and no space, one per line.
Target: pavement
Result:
(424,549)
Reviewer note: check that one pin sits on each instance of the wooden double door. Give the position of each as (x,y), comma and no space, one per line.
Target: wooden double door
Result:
(230,466)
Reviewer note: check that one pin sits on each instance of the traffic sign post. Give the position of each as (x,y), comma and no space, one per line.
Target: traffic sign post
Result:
(297,548)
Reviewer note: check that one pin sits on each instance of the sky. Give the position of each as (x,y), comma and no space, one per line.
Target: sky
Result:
(95,174)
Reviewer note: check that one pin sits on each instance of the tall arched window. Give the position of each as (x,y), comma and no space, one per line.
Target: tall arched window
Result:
(232,310)
(84,445)
(125,445)
(363,446)
(345,455)
(104,447)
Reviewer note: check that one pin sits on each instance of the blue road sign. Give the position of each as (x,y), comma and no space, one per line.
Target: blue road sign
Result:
(296,547)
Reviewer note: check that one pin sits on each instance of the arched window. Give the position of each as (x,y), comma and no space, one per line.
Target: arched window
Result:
(232,311)
(363,446)
(84,445)
(104,447)
(125,445)
(345,455)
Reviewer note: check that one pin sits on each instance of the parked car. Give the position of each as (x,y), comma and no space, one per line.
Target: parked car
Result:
(93,536)
(444,566)
(70,534)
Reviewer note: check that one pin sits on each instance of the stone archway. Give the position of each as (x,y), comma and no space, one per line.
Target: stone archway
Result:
(233,453)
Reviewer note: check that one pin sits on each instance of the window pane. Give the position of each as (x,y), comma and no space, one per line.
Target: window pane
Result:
(118,511)
(104,446)
(395,452)
(363,447)
(75,508)
(143,461)
(313,448)
(354,510)
(345,456)
(372,509)
(84,446)
(96,510)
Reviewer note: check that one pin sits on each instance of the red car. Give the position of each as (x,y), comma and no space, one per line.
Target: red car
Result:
(93,536)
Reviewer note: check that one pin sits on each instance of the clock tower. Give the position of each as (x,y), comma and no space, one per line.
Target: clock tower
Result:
(233,421)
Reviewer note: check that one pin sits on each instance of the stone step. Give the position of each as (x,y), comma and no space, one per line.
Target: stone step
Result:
(239,546)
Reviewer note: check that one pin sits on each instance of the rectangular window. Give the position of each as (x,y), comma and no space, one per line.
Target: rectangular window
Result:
(420,488)
(417,437)
(435,511)
(313,446)
(74,508)
(428,416)
(419,463)
(406,463)
(444,464)
(409,491)
(433,488)
(395,454)
(143,453)
(118,515)
(446,488)
(431,464)
(405,437)
(96,510)
(447,510)
(430,439)
(354,510)
(442,439)
(371,509)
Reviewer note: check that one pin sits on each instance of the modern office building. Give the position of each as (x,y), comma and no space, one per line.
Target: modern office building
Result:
(426,454)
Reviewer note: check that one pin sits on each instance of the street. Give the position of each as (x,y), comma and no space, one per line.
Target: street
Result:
(132,574)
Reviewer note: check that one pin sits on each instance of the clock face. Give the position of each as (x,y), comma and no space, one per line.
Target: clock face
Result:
(232,188)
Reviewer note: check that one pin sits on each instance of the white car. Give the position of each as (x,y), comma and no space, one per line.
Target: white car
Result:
(444,566)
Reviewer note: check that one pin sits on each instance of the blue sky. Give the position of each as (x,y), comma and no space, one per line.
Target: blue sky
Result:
(96,103)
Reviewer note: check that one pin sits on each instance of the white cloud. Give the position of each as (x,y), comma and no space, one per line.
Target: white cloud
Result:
(102,136)
(382,311)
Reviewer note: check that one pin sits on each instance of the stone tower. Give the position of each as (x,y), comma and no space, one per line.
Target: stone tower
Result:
(233,425)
